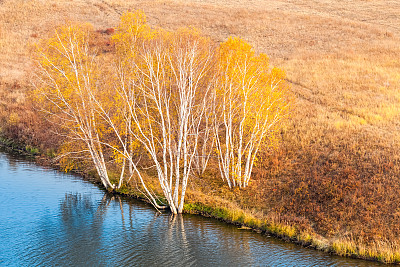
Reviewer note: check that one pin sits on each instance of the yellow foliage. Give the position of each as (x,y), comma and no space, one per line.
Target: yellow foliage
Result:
(13,119)
(132,28)
(66,63)
(251,100)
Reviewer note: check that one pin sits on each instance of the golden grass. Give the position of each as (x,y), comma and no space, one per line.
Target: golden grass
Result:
(334,182)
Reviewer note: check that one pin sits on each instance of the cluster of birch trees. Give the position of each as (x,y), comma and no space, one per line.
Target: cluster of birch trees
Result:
(172,101)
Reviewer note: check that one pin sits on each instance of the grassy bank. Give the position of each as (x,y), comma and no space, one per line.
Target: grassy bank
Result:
(229,212)
(343,247)
(333,184)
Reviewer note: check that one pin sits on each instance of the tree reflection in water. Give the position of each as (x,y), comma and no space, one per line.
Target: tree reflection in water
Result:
(113,231)
(73,237)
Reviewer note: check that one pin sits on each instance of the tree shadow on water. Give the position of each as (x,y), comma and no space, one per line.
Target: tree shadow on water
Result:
(73,236)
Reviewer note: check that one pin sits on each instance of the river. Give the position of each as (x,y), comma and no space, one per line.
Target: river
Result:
(49,218)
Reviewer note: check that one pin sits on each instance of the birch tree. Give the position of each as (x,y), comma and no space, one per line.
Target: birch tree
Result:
(205,146)
(250,102)
(72,91)
(67,89)
(167,96)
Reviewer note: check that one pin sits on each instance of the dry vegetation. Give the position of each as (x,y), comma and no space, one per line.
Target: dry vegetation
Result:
(336,172)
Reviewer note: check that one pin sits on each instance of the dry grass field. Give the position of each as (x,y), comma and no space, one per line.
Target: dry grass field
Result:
(337,170)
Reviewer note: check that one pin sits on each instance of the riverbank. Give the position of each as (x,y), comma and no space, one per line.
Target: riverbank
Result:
(229,212)
(53,218)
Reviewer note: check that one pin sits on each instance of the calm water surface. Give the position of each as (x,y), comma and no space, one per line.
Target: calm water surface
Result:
(48,218)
